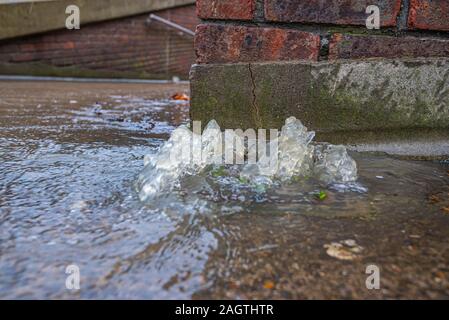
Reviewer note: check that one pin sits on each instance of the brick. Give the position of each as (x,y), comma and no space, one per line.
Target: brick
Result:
(362,47)
(429,15)
(69,45)
(26,47)
(121,47)
(226,9)
(347,12)
(227,44)
(22,57)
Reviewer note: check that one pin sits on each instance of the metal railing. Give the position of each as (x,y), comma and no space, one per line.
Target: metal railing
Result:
(171,24)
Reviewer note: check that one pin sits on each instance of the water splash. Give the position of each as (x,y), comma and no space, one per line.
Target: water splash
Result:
(291,155)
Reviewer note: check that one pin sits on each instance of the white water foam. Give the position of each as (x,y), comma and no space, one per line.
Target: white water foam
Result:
(291,154)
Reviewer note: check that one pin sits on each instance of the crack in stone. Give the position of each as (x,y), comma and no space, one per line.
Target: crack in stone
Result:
(255,107)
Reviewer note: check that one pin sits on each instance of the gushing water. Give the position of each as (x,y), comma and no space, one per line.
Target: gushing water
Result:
(291,155)
(67,173)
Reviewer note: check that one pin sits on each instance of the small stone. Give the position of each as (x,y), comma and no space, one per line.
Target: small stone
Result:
(343,250)
(350,243)
(268,284)
(336,250)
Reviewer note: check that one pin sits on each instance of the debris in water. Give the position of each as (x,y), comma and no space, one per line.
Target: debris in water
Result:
(291,154)
(268,285)
(343,250)
(321,195)
(219,172)
(97,109)
(181,97)
(434,199)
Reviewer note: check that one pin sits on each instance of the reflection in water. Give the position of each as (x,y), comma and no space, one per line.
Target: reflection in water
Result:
(71,153)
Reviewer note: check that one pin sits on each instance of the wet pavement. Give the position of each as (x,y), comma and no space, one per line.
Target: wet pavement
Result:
(70,156)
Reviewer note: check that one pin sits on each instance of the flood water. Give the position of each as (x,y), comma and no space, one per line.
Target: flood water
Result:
(70,154)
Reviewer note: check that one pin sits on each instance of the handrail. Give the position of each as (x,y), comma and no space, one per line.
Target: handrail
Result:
(31,17)
(170,24)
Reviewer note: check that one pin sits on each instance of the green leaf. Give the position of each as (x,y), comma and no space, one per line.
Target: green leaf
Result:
(219,172)
(260,188)
(244,180)
(321,195)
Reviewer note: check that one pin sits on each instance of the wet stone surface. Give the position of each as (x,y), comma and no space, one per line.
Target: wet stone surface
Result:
(70,157)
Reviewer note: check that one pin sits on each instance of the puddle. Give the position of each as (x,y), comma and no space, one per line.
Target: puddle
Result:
(71,154)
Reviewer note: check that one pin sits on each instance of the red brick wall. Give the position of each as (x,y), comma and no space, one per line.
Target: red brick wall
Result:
(274,30)
(124,47)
